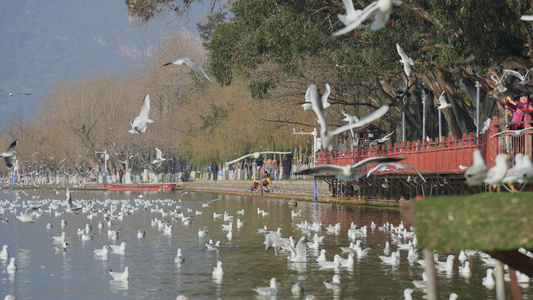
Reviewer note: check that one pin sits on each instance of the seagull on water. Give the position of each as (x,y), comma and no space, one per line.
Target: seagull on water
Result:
(271,290)
(256,155)
(299,253)
(4,254)
(329,137)
(179,257)
(190,63)
(119,249)
(334,284)
(348,172)
(70,206)
(380,9)
(27,215)
(12,266)
(9,154)
(123,276)
(218,271)
(139,124)
(406,61)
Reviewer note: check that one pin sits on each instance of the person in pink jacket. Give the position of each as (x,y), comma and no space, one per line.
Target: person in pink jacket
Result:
(519,109)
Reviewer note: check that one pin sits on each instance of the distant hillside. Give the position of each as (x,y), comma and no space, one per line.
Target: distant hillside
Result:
(43,41)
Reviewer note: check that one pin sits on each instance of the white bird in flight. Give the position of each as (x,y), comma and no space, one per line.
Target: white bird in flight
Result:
(406,61)
(329,137)
(307,105)
(27,215)
(385,138)
(397,165)
(139,124)
(207,204)
(9,154)
(523,79)
(13,94)
(442,102)
(517,132)
(380,9)
(498,82)
(256,155)
(528,18)
(348,172)
(159,157)
(351,14)
(190,63)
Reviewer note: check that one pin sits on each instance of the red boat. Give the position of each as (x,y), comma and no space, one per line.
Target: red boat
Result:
(160,187)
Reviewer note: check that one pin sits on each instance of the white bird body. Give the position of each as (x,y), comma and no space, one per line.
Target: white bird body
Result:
(102,252)
(526,173)
(488,280)
(190,63)
(271,290)
(11,266)
(70,205)
(527,18)
(218,271)
(119,249)
(397,165)
(322,256)
(478,171)
(334,284)
(442,102)
(159,157)
(512,173)
(299,253)
(523,79)
(498,82)
(139,124)
(4,254)
(179,257)
(122,276)
(407,294)
(406,61)
(496,174)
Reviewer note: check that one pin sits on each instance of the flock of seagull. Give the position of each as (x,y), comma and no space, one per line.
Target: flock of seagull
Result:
(521,173)
(297,252)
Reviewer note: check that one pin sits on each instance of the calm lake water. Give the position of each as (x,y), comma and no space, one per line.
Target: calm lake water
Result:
(43,273)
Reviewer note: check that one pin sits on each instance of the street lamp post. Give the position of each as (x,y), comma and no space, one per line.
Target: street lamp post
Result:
(424,96)
(106,157)
(478,85)
(314,134)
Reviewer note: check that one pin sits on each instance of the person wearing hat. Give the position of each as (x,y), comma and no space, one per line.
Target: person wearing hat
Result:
(518,109)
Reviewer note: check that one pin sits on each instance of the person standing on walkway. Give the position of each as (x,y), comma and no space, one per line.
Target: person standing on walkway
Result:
(259,164)
(287,167)
(272,165)
(214,169)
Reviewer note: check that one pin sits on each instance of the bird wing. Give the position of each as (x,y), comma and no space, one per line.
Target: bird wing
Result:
(528,18)
(242,157)
(442,99)
(275,152)
(321,169)
(402,53)
(350,11)
(386,137)
(145,108)
(213,200)
(514,73)
(194,66)
(364,120)
(367,12)
(158,154)
(12,147)
(410,167)
(325,96)
(375,160)
(8,161)
(317,106)
(28,213)
(500,133)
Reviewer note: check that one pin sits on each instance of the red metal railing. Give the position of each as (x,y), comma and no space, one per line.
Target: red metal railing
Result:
(436,156)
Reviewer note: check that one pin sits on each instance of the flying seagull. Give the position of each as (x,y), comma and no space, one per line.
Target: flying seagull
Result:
(329,137)
(516,133)
(380,9)
(9,154)
(528,18)
(523,79)
(498,82)
(70,206)
(352,15)
(307,105)
(385,138)
(190,63)
(442,102)
(27,215)
(207,204)
(406,61)
(256,155)
(139,124)
(159,157)
(13,94)
(348,172)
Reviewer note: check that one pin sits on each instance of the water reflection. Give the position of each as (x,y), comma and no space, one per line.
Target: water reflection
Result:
(154,273)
